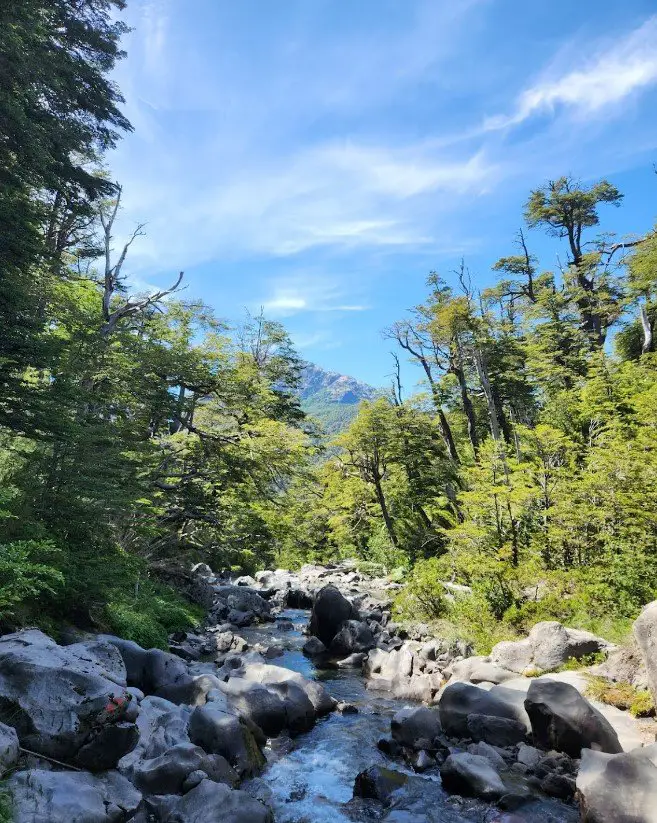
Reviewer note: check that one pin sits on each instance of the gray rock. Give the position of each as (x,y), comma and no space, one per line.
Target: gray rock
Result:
(8,749)
(266,674)
(61,700)
(260,704)
(472,776)
(378,783)
(313,647)
(330,610)
(354,636)
(353,661)
(618,788)
(41,796)
(148,669)
(460,700)
(416,728)
(565,721)
(243,599)
(211,802)
(498,731)
(219,732)
(167,773)
(489,752)
(529,756)
(645,634)
(298,599)
(193,779)
(548,646)
(479,670)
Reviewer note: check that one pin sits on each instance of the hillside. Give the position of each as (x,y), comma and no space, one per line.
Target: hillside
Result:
(332,398)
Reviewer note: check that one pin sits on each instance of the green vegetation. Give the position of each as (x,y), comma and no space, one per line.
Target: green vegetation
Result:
(622,695)
(6,812)
(139,433)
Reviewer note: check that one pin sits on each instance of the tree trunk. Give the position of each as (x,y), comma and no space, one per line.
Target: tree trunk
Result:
(384,511)
(488,393)
(468,408)
(647,329)
(448,437)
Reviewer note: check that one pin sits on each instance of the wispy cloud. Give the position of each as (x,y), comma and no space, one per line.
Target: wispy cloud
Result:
(612,75)
(308,292)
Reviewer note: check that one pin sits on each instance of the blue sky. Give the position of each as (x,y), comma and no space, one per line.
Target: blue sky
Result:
(319,157)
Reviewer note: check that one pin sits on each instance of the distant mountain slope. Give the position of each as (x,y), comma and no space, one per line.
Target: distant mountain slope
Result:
(332,398)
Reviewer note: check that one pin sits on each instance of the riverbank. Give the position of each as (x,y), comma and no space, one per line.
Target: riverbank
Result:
(300,700)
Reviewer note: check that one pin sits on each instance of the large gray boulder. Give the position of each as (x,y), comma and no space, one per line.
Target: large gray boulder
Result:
(168,772)
(8,749)
(479,670)
(460,700)
(416,727)
(148,669)
(211,801)
(41,796)
(548,646)
(260,704)
(330,610)
(471,775)
(379,783)
(67,702)
(618,788)
(267,674)
(219,732)
(645,634)
(354,636)
(565,721)
(497,731)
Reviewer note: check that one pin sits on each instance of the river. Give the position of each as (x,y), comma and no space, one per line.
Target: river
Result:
(311,778)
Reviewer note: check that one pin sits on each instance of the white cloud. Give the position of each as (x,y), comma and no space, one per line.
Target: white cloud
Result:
(308,292)
(613,74)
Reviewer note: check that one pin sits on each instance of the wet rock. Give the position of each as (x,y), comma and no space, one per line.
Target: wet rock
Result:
(471,775)
(354,636)
(378,783)
(528,756)
(498,731)
(558,785)
(193,779)
(618,788)
(8,749)
(209,802)
(564,720)
(67,702)
(347,708)
(41,796)
(313,647)
(416,728)
(330,610)
(353,661)
(285,625)
(219,732)
(423,761)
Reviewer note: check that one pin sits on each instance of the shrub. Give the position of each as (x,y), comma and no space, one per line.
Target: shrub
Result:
(624,696)
(423,597)
(26,573)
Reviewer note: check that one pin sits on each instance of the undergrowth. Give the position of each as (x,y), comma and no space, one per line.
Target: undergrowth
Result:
(624,696)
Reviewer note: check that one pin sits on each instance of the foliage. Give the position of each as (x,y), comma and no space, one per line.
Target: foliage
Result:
(622,695)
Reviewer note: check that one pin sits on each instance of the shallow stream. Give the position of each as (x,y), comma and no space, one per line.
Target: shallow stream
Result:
(312,776)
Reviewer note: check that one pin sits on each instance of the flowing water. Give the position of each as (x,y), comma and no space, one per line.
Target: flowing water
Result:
(312,777)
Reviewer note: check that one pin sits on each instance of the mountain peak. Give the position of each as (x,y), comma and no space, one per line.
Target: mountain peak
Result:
(332,398)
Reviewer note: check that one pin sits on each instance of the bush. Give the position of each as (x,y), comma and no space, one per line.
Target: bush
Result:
(423,597)
(26,573)
(150,618)
(624,696)
(6,814)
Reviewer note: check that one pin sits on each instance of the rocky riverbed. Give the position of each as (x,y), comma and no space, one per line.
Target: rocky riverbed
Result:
(301,701)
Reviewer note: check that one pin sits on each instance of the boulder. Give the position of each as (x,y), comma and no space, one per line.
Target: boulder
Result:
(416,727)
(565,721)
(148,669)
(472,776)
(41,796)
(490,753)
(267,674)
(297,599)
(479,670)
(243,599)
(645,634)
(498,731)
(378,783)
(460,700)
(219,732)
(210,801)
(313,647)
(66,702)
(618,788)
(167,773)
(548,646)
(354,636)
(330,610)
(8,749)
(260,704)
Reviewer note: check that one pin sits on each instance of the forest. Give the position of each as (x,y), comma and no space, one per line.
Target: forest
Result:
(142,433)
